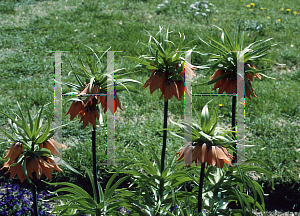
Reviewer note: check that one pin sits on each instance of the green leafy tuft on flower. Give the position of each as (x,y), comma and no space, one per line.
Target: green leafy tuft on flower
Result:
(231,51)
(94,89)
(167,65)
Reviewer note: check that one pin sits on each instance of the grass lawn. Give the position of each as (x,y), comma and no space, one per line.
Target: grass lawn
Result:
(31,28)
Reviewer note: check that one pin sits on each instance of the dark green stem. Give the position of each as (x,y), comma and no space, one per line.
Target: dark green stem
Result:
(200,188)
(33,187)
(233,123)
(163,152)
(95,164)
(35,209)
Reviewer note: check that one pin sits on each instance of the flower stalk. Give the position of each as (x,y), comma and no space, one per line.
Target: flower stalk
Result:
(201,187)
(233,124)
(163,152)
(95,163)
(35,204)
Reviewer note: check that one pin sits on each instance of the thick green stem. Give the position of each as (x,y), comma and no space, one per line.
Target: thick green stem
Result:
(33,188)
(35,209)
(200,188)
(95,164)
(163,152)
(233,123)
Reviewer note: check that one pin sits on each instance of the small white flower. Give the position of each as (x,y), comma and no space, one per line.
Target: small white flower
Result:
(292,45)
(205,5)
(183,2)
(217,11)
(204,14)
(196,13)
(211,4)
(166,1)
(207,10)
(161,5)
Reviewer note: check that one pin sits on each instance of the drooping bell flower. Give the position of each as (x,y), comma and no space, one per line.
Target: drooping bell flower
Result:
(117,103)
(89,114)
(41,165)
(170,89)
(75,109)
(213,155)
(156,80)
(52,145)
(13,153)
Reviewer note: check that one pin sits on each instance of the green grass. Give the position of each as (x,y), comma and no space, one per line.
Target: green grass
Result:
(30,28)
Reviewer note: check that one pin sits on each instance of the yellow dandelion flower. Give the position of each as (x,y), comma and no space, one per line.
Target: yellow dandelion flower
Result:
(220,104)
(252,4)
(282,9)
(295,12)
(288,9)
(248,6)
(214,19)
(279,20)
(268,17)
(261,8)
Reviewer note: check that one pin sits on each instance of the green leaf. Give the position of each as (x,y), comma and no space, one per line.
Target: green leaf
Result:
(36,125)
(25,172)
(44,136)
(7,135)
(109,193)
(29,117)
(140,61)
(92,183)
(42,152)
(63,163)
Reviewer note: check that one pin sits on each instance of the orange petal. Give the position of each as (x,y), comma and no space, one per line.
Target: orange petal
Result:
(224,87)
(148,82)
(188,155)
(204,148)
(231,86)
(168,90)
(175,90)
(209,155)
(180,86)
(197,153)
(118,103)
(17,169)
(54,164)
(213,156)
(46,169)
(32,165)
(257,76)
(249,77)
(57,145)
(217,74)
(14,151)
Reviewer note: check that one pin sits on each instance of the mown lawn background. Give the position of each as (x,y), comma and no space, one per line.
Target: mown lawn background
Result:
(30,28)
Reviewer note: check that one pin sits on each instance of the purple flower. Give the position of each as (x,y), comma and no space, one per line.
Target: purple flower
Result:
(16,203)
(123,210)
(46,205)
(8,198)
(45,193)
